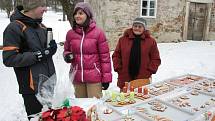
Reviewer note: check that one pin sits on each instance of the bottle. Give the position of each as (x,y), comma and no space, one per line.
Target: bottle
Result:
(49,36)
(146,91)
(131,89)
(139,89)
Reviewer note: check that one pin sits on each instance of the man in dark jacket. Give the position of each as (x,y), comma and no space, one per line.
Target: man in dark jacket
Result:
(25,49)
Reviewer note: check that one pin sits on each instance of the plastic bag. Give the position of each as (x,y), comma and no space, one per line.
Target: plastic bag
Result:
(64,88)
(46,89)
(52,92)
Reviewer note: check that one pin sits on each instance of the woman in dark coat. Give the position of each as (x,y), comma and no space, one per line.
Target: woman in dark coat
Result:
(136,55)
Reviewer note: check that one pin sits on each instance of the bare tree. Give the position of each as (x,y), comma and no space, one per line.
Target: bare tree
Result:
(68,7)
(6,5)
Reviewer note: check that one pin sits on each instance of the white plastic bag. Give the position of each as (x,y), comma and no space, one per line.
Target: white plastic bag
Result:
(46,87)
(64,88)
(52,93)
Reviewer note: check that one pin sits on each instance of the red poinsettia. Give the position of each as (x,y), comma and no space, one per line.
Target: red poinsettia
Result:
(74,113)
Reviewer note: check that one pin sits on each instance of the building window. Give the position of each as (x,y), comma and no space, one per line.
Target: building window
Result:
(148,8)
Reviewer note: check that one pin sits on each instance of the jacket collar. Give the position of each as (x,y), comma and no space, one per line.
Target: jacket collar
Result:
(129,33)
(18,15)
(92,25)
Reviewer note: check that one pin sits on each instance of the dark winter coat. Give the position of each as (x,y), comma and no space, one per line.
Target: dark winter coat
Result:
(91,54)
(21,38)
(150,59)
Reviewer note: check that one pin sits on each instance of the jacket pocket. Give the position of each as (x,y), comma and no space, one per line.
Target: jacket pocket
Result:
(97,68)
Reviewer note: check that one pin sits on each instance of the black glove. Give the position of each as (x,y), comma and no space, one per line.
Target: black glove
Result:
(68,58)
(47,52)
(53,46)
(105,86)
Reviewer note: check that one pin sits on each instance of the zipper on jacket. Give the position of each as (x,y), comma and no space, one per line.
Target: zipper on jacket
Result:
(81,50)
(96,68)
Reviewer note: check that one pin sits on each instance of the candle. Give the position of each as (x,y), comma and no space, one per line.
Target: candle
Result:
(122,97)
(124,89)
(131,96)
(139,89)
(113,97)
(131,89)
(146,91)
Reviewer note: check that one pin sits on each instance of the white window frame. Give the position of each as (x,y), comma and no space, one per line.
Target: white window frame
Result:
(147,8)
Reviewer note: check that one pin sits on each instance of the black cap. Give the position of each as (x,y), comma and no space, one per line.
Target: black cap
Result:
(49,29)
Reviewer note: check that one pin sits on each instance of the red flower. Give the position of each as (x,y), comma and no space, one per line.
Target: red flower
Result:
(73,113)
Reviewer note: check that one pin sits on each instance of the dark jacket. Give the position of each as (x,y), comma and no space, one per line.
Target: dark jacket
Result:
(150,58)
(21,38)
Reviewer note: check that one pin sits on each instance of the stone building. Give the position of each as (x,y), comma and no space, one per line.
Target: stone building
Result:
(168,20)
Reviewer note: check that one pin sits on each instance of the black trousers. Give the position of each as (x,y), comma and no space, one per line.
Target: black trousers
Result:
(32,105)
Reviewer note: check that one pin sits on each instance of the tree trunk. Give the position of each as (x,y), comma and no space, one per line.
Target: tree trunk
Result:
(64,16)
(8,13)
(55,6)
(68,9)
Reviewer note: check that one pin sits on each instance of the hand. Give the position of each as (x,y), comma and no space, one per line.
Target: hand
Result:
(53,47)
(105,86)
(68,58)
(47,52)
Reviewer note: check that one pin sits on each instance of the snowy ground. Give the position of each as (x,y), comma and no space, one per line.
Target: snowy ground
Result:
(193,57)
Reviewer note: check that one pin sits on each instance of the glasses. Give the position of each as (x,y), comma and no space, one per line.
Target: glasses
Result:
(137,26)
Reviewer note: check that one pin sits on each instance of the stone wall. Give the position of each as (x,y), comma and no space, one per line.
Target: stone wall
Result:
(114,16)
(168,25)
(212,24)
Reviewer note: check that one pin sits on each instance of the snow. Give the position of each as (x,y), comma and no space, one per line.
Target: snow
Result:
(192,57)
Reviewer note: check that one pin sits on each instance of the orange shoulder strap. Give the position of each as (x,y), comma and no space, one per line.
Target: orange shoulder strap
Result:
(23,25)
